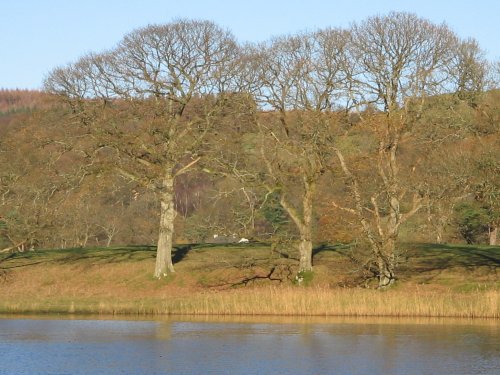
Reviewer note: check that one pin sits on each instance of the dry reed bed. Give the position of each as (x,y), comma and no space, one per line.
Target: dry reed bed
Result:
(286,301)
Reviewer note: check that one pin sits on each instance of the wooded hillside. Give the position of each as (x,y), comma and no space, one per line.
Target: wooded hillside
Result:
(384,133)
(34,169)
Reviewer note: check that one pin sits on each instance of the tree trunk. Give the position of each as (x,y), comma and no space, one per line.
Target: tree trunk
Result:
(305,251)
(305,230)
(386,264)
(386,275)
(304,223)
(167,215)
(440,224)
(389,171)
(493,234)
(439,235)
(386,258)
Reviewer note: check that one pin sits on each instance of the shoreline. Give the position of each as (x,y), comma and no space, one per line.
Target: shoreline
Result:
(229,280)
(277,301)
(418,320)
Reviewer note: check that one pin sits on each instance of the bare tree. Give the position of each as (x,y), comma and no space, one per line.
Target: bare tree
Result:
(485,171)
(469,71)
(297,81)
(152,101)
(446,185)
(399,60)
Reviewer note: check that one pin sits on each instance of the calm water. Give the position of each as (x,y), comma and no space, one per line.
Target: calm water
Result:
(55,346)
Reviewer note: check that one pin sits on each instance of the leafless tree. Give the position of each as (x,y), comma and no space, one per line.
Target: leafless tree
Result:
(399,60)
(297,82)
(152,100)
(469,69)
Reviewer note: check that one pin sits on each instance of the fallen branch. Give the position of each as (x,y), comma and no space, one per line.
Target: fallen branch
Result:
(7,249)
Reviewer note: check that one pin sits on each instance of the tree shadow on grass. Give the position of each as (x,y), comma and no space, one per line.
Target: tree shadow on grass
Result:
(436,257)
(109,255)
(340,249)
(94,256)
(180,252)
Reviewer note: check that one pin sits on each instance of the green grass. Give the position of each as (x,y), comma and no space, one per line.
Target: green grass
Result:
(464,267)
(455,280)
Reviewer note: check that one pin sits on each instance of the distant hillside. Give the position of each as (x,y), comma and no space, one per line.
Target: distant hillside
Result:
(21,100)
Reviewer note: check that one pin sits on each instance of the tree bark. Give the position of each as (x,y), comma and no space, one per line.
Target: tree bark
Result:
(493,234)
(305,230)
(386,264)
(164,263)
(305,251)
(440,224)
(303,223)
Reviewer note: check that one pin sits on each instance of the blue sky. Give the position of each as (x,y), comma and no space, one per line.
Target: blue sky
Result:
(38,35)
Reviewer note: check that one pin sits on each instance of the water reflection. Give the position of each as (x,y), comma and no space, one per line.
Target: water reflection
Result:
(244,345)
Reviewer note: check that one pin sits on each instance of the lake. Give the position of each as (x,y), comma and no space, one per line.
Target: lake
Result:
(56,345)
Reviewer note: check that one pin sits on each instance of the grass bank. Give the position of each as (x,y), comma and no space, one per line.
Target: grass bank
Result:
(435,281)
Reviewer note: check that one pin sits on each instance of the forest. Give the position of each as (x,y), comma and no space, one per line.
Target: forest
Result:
(380,135)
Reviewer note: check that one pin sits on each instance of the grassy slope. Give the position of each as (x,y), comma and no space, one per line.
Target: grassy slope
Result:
(119,279)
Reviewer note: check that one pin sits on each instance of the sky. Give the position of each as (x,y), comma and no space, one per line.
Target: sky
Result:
(38,35)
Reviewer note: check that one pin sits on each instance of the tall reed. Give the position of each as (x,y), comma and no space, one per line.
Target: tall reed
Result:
(339,302)
(286,301)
